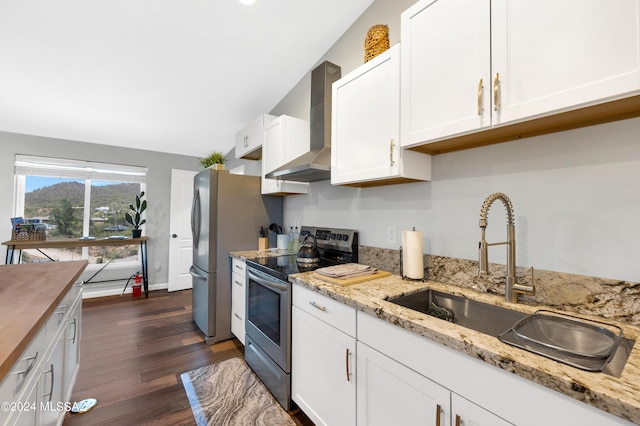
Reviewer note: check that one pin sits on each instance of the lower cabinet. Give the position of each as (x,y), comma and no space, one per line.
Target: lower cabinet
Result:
(41,381)
(238,296)
(402,378)
(384,385)
(323,376)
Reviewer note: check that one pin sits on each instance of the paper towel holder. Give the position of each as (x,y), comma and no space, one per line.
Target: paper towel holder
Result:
(424,277)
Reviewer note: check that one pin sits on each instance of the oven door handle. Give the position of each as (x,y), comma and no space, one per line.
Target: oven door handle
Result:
(272,283)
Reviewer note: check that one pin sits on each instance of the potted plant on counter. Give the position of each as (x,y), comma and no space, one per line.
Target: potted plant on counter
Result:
(215,161)
(135,220)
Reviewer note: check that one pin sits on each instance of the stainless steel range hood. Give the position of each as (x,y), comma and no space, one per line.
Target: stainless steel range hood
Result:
(315,165)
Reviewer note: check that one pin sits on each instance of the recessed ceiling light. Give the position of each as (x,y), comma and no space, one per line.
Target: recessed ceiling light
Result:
(247,2)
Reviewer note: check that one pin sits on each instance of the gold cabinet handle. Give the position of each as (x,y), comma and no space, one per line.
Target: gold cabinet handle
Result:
(392,145)
(458,420)
(438,411)
(496,92)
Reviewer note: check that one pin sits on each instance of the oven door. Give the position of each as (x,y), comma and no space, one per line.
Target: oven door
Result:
(269,316)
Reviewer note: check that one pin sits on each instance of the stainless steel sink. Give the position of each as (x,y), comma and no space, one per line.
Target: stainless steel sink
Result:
(584,344)
(482,317)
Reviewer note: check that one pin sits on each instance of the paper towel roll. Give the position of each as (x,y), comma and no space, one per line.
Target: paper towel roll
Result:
(412,257)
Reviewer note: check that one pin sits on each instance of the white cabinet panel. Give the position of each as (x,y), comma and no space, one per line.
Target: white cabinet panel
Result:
(385,385)
(558,55)
(249,139)
(366,126)
(323,381)
(446,69)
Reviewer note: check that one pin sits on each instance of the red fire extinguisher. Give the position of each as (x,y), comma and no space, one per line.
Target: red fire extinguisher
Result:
(137,286)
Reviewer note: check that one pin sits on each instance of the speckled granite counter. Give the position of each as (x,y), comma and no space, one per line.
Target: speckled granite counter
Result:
(252,254)
(618,396)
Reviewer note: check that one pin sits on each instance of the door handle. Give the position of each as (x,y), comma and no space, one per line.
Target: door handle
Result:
(174,236)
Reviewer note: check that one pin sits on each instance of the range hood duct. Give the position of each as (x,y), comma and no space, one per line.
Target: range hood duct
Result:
(315,165)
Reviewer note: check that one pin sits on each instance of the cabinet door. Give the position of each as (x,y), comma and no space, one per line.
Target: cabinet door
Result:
(366,121)
(238,304)
(323,381)
(390,393)
(445,68)
(72,349)
(249,139)
(465,412)
(272,147)
(51,383)
(553,56)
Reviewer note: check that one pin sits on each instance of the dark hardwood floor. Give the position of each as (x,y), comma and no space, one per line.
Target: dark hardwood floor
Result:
(132,353)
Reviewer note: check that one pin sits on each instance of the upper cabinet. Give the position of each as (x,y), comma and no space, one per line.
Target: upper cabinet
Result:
(486,71)
(285,138)
(249,140)
(365,130)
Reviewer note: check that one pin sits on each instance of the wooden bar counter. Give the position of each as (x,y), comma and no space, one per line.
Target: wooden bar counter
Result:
(29,293)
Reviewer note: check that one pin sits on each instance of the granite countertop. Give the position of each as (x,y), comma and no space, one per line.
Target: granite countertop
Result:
(252,254)
(619,396)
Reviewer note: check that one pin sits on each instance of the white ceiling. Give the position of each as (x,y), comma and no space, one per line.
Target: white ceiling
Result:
(165,75)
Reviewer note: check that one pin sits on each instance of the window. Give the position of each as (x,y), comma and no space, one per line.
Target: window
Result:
(74,199)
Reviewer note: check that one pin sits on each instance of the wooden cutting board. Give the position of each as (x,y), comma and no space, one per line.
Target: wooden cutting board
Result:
(350,281)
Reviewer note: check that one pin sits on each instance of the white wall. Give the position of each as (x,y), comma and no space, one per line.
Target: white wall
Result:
(576,194)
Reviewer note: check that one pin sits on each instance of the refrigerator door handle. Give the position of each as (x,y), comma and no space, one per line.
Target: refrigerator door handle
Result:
(194,274)
(195,218)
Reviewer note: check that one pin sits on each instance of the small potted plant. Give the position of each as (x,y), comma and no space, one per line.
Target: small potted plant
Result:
(135,220)
(215,161)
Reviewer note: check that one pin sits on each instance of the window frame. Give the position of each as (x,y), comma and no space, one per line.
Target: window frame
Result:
(87,171)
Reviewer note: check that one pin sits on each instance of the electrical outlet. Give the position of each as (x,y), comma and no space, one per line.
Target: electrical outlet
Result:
(392,235)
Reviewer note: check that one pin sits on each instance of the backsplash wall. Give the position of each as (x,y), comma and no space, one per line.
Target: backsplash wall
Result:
(606,298)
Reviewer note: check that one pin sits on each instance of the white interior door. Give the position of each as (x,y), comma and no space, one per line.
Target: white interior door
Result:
(180,244)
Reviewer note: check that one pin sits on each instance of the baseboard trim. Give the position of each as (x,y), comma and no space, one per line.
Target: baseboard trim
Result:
(89,293)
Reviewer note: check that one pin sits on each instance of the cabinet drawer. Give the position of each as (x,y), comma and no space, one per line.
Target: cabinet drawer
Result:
(332,312)
(238,288)
(25,369)
(239,266)
(55,321)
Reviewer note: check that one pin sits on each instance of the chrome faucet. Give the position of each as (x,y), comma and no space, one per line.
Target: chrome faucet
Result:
(511,288)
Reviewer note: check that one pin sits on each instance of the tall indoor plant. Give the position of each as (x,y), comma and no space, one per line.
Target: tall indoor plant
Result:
(135,220)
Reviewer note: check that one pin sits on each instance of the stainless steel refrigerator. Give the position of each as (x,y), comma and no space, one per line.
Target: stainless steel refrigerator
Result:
(227,213)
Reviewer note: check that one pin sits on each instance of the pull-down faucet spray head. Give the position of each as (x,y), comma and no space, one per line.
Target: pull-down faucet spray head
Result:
(483,246)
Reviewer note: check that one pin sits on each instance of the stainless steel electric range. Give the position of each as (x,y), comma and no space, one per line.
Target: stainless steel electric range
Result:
(268,324)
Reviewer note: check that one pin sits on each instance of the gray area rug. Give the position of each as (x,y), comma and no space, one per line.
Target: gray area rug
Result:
(229,393)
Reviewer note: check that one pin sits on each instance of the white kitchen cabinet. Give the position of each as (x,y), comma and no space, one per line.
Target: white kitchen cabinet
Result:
(249,139)
(72,343)
(480,392)
(445,62)
(42,379)
(477,65)
(238,298)
(285,139)
(385,385)
(365,127)
(51,385)
(323,350)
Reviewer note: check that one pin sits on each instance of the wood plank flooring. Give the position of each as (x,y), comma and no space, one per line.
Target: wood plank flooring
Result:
(132,353)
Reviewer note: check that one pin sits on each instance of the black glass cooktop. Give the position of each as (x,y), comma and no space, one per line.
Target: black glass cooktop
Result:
(282,266)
